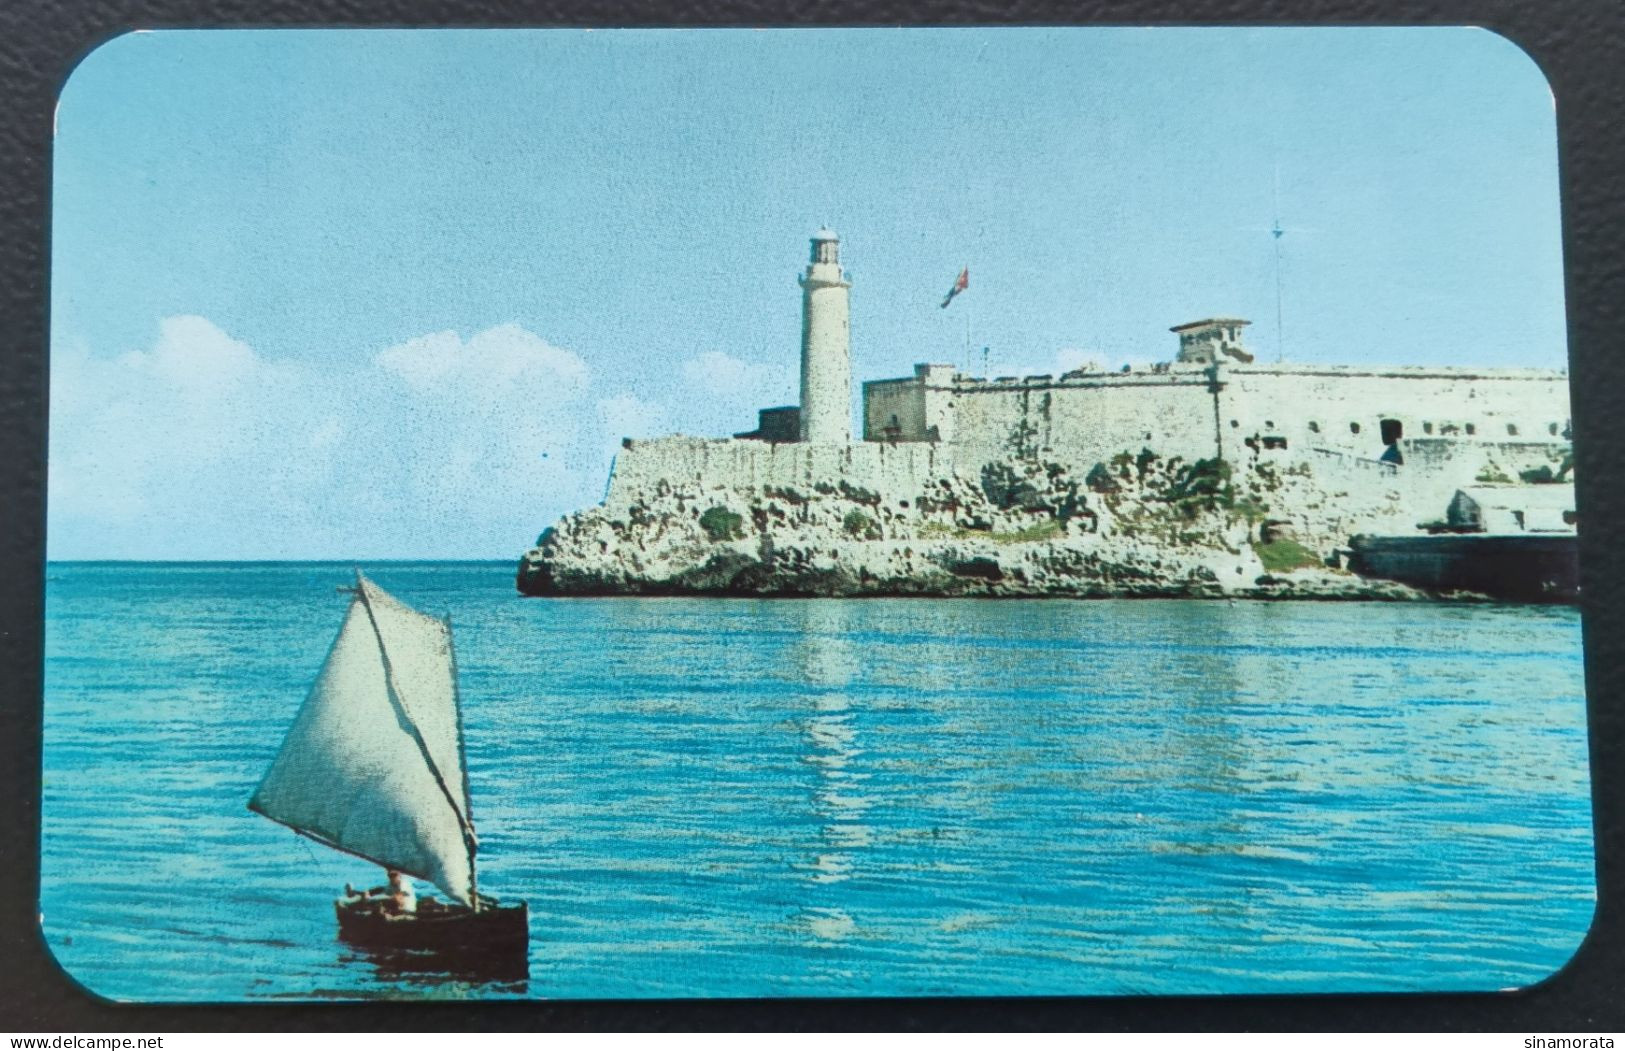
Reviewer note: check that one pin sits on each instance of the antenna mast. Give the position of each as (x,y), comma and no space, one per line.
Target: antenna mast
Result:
(1276,232)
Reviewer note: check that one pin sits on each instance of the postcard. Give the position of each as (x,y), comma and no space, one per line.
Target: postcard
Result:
(810,513)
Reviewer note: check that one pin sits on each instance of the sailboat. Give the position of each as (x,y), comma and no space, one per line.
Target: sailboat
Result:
(373,766)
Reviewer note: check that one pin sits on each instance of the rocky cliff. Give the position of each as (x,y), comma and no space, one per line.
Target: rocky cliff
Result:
(1136,525)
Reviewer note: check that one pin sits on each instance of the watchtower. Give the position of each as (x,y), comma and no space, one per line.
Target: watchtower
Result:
(1214,339)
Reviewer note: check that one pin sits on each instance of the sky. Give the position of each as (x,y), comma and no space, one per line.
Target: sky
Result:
(362,294)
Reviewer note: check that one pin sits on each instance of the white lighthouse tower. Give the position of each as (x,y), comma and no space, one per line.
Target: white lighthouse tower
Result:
(826,345)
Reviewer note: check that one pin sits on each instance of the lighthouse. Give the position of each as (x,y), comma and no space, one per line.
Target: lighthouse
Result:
(826,345)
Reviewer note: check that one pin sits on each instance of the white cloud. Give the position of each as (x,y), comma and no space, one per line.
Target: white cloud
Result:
(720,393)
(719,373)
(506,357)
(197,417)
(199,446)
(196,358)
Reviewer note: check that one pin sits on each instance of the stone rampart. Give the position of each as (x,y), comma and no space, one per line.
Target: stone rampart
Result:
(1202,411)
(705,464)
(1172,480)
(1362,411)
(1081,422)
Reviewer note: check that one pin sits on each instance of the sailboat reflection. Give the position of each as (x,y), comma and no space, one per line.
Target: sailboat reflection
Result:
(500,973)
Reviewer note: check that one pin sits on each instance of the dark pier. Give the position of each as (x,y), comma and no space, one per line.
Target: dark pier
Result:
(1511,567)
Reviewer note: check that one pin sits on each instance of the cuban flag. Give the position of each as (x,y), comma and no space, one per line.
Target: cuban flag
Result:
(961,283)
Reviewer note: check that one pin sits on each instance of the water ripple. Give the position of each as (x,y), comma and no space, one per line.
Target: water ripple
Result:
(819,798)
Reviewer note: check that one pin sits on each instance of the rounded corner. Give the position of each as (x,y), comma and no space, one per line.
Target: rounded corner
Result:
(1557,972)
(62,968)
(1527,55)
(85,55)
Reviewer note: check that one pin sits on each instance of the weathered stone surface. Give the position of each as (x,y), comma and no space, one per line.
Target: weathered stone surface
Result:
(1015,527)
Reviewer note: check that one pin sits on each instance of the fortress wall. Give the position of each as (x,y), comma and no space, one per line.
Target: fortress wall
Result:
(1341,494)
(1467,460)
(701,465)
(1356,494)
(1436,467)
(885,399)
(1362,494)
(1321,407)
(1328,407)
(938,390)
(1082,422)
(922,405)
(1342,467)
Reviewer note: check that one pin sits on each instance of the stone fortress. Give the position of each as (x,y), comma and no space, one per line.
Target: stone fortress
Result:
(1209,474)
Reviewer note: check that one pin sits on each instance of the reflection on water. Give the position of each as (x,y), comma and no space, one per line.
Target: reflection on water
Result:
(837,799)
(825,798)
(825,652)
(828,660)
(503,974)
(828,925)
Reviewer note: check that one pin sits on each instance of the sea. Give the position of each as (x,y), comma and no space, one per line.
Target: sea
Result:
(830,797)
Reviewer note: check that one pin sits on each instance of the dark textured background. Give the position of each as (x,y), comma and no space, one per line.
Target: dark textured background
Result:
(1580,44)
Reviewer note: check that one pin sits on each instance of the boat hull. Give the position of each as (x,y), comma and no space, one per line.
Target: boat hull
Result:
(494,931)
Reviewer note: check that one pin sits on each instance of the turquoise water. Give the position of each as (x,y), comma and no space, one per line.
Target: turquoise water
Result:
(833,797)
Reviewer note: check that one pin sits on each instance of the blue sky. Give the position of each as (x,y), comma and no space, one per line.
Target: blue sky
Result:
(369,294)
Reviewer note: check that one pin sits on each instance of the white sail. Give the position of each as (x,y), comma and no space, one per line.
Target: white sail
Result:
(374,763)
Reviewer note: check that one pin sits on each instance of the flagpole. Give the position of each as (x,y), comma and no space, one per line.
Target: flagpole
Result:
(967,341)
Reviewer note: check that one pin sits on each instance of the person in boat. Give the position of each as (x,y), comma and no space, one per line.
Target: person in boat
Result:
(397,898)
(402,898)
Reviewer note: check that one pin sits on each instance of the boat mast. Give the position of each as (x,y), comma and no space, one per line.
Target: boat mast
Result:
(469,838)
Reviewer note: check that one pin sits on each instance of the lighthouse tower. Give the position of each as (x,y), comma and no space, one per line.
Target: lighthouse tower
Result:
(826,345)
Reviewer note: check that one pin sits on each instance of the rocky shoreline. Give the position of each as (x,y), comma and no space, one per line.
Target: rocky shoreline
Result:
(1136,527)
(756,581)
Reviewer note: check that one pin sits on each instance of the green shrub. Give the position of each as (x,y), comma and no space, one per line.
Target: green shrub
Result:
(1045,530)
(1100,479)
(858,494)
(789,496)
(860,525)
(1283,556)
(721,524)
(1202,486)
(1250,508)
